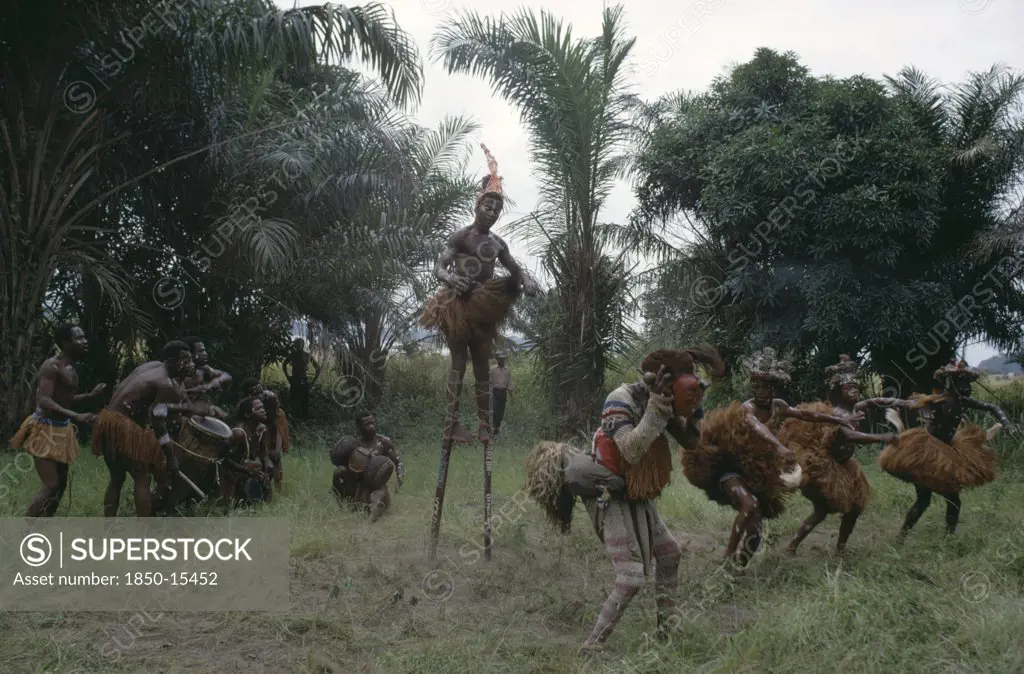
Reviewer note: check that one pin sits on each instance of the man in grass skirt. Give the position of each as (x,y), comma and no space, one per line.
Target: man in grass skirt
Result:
(48,434)
(471,304)
(948,455)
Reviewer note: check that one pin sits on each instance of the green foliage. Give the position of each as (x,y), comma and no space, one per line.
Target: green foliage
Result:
(833,217)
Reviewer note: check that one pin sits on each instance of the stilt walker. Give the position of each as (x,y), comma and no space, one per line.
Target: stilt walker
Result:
(468,309)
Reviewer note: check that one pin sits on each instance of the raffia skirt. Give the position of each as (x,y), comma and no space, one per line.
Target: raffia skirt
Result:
(728,445)
(922,459)
(476,315)
(120,438)
(283,431)
(47,441)
(840,485)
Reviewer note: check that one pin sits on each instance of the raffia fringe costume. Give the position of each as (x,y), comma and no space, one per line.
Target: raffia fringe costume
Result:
(836,481)
(47,439)
(728,446)
(119,437)
(475,315)
(283,431)
(920,458)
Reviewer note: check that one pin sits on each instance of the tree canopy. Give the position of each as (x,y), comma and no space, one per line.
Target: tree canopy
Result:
(838,215)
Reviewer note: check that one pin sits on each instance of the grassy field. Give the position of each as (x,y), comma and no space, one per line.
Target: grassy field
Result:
(365,599)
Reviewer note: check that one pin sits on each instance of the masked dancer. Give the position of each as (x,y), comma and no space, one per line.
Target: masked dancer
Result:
(630,450)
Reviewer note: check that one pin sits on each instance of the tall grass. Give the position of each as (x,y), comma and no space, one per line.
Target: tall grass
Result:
(365,599)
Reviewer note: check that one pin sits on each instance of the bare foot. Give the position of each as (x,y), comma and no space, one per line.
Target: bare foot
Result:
(590,649)
(791,550)
(483,433)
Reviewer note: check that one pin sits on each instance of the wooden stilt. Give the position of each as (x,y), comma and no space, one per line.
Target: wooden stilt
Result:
(488,459)
(442,481)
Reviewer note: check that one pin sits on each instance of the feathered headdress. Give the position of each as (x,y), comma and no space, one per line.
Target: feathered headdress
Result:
(954,371)
(492,183)
(843,372)
(764,365)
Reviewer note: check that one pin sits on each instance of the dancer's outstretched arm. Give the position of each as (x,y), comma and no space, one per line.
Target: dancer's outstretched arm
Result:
(764,432)
(867,438)
(898,403)
(992,409)
(783,409)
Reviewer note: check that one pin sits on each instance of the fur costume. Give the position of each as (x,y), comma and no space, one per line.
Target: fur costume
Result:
(728,445)
(836,481)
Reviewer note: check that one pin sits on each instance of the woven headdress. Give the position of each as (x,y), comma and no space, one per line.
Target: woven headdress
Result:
(954,371)
(493,184)
(843,372)
(764,365)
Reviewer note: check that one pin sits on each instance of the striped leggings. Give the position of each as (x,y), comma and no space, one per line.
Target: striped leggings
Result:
(629,529)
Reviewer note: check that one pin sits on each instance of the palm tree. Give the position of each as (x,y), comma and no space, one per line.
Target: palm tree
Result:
(366,276)
(68,175)
(572,96)
(978,122)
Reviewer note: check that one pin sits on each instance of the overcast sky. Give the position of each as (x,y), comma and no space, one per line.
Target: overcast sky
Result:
(684,45)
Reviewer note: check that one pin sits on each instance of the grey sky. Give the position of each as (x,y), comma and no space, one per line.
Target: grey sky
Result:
(685,45)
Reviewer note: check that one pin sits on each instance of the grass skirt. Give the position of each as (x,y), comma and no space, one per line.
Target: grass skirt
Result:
(119,437)
(283,431)
(477,316)
(840,485)
(728,445)
(920,458)
(55,443)
(545,482)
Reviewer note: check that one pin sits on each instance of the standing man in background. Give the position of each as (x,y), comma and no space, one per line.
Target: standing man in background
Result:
(501,384)
(296,368)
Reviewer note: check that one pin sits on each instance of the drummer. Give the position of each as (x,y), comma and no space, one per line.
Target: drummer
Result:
(207,381)
(132,433)
(245,462)
(357,478)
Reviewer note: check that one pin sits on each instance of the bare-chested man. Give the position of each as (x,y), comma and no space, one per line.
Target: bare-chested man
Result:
(357,478)
(471,304)
(739,461)
(154,396)
(207,381)
(48,434)
(277,424)
(296,370)
(246,460)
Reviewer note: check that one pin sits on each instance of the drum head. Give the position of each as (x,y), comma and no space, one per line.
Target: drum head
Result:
(214,428)
(343,449)
(378,471)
